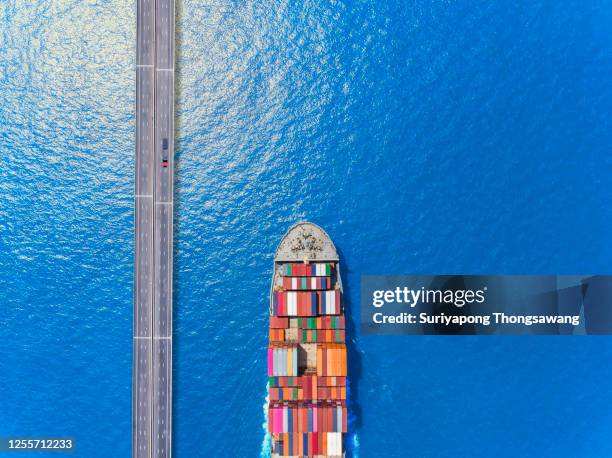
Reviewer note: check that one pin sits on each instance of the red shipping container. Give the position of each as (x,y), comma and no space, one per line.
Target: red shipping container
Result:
(279,322)
(324,418)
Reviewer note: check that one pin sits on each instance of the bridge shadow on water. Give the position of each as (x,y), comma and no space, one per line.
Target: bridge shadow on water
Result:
(354,363)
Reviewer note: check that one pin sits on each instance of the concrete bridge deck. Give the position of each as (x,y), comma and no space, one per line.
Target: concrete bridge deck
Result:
(152,348)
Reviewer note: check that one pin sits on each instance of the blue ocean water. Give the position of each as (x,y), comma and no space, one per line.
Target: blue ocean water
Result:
(425,137)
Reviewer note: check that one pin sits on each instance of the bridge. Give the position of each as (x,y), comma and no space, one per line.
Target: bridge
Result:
(154,165)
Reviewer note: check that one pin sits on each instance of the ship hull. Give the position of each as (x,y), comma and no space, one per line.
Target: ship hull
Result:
(307,360)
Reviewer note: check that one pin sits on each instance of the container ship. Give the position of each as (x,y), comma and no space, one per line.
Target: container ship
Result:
(307,359)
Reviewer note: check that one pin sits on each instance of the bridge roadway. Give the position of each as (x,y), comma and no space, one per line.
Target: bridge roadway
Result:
(154,165)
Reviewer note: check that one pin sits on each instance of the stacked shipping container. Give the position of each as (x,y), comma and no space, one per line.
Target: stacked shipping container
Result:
(282,359)
(306,303)
(308,444)
(305,283)
(331,360)
(307,362)
(307,417)
(306,387)
(308,330)
(307,270)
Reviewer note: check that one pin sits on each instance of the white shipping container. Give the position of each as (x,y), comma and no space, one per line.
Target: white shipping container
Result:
(292,303)
(334,444)
(282,362)
(285,420)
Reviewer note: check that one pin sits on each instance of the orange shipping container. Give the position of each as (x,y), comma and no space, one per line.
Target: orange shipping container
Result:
(325,440)
(277,335)
(331,360)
